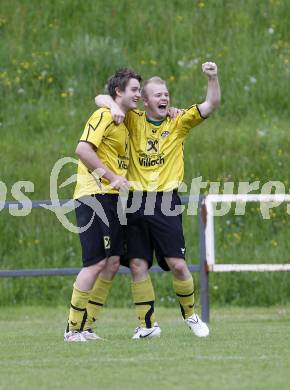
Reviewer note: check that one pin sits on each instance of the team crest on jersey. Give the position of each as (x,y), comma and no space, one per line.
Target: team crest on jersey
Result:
(152,146)
(107,242)
(165,134)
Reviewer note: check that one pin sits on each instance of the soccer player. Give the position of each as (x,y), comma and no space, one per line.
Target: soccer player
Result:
(103,152)
(157,165)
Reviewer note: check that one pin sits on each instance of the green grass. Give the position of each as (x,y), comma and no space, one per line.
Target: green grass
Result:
(57,55)
(247,349)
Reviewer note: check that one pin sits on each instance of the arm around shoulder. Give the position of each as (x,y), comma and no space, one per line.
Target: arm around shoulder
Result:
(104,101)
(108,102)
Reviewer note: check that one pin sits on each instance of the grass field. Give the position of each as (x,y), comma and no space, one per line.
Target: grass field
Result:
(247,349)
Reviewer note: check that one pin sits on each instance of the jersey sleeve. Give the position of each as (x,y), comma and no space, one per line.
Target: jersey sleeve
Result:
(96,127)
(132,119)
(189,119)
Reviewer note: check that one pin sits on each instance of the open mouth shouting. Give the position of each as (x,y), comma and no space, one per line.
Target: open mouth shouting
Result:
(162,108)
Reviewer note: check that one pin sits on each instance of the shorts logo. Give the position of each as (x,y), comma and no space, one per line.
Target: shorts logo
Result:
(107,242)
(165,134)
(152,146)
(182,250)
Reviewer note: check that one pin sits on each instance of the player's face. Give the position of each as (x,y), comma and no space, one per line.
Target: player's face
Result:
(131,95)
(156,101)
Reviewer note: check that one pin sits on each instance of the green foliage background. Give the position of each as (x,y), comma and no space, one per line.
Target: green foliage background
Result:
(57,55)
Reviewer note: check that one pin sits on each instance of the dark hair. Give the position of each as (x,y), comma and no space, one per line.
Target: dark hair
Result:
(120,80)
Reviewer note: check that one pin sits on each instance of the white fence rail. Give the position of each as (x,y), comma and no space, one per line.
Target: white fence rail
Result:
(210,200)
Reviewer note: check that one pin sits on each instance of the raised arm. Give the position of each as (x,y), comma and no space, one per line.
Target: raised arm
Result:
(107,101)
(213,96)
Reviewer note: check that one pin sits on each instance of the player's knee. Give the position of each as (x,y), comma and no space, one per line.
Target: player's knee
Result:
(138,267)
(135,268)
(97,268)
(113,264)
(179,268)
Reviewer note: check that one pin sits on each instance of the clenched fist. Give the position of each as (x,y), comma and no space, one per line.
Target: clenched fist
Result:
(210,69)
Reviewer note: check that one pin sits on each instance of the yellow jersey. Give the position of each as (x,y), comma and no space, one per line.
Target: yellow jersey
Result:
(112,147)
(156,149)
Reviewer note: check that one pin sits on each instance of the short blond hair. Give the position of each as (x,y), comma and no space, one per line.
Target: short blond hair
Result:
(155,80)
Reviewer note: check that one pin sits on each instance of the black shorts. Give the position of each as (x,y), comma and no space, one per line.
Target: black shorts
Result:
(104,235)
(153,228)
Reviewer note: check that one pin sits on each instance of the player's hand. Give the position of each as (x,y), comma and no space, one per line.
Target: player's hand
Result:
(209,69)
(173,112)
(117,114)
(120,183)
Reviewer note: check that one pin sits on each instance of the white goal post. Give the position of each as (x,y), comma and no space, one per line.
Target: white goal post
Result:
(209,201)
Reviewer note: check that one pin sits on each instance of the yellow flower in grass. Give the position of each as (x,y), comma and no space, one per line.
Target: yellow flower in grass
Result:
(67,93)
(237,236)
(2,21)
(25,65)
